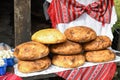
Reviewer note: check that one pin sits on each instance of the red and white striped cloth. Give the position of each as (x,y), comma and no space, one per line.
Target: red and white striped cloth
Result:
(10,76)
(98,72)
(63,11)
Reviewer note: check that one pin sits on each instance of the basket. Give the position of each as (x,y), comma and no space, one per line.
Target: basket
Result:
(3,68)
(10,62)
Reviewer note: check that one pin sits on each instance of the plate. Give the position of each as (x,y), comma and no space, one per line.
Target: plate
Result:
(54,69)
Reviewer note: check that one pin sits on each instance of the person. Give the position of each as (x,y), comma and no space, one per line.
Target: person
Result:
(100,15)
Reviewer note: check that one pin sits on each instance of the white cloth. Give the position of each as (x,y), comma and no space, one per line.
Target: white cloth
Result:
(86,20)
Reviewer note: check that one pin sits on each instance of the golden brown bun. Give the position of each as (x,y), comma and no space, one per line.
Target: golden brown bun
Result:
(100,56)
(69,61)
(67,47)
(49,36)
(101,42)
(80,34)
(33,66)
(31,51)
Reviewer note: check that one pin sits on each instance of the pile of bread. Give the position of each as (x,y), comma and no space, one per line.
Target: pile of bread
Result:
(70,49)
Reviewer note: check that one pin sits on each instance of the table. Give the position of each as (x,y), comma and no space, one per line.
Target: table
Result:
(38,77)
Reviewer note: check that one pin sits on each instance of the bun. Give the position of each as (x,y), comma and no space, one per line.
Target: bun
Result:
(48,36)
(80,34)
(100,56)
(101,42)
(33,66)
(68,61)
(66,48)
(31,51)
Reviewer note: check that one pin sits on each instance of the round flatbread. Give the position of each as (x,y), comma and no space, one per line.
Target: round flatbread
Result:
(33,66)
(49,36)
(69,61)
(100,56)
(80,34)
(101,42)
(31,50)
(66,48)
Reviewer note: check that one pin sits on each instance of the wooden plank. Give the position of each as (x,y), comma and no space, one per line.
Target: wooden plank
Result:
(22,21)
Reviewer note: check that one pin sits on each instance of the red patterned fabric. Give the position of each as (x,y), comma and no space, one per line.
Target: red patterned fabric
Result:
(99,72)
(10,76)
(63,11)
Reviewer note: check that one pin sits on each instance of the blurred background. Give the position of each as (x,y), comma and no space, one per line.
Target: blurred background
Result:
(38,22)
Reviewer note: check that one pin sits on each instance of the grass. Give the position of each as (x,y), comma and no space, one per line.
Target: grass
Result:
(117,7)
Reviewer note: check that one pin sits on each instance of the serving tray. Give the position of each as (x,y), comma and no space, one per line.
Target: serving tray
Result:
(54,69)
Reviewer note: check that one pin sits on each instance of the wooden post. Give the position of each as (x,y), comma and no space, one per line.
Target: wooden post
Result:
(22,21)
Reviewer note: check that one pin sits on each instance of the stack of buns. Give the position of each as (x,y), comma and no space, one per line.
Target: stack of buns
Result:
(69,49)
(67,54)
(34,55)
(97,50)
(95,47)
